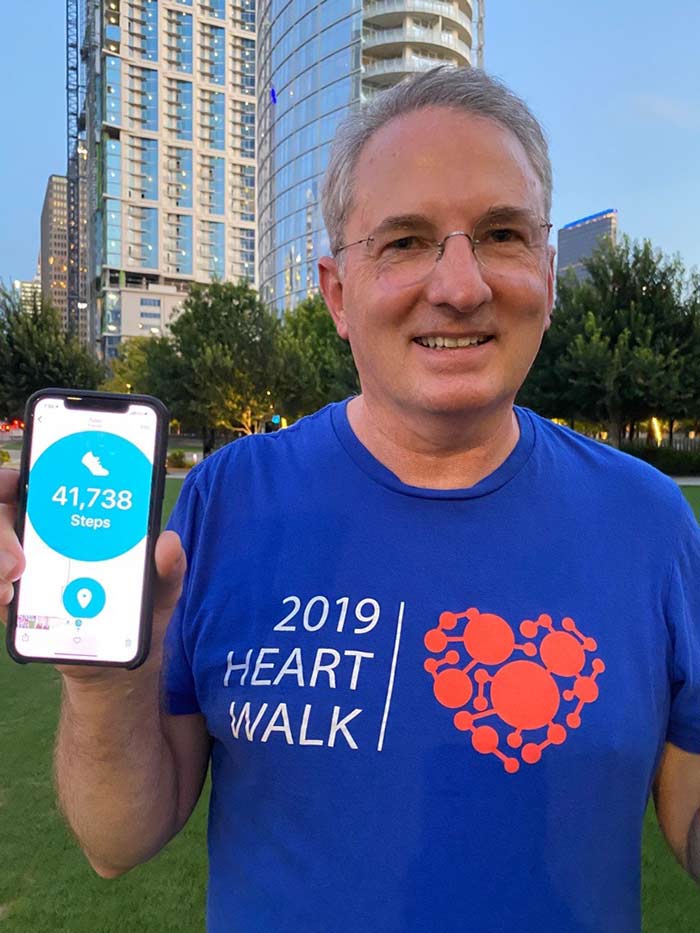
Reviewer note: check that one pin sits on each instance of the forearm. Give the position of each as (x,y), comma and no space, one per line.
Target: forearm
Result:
(114,769)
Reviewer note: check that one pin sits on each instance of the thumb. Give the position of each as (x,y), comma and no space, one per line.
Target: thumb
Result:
(171,564)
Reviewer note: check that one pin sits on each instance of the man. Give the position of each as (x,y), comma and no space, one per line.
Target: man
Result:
(436,648)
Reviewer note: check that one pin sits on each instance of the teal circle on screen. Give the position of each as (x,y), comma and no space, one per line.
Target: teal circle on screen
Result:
(89,496)
(84,597)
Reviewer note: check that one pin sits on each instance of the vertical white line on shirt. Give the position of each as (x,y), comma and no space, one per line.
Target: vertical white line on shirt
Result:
(390,685)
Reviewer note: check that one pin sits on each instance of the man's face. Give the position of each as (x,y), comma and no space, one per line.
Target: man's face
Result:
(451,169)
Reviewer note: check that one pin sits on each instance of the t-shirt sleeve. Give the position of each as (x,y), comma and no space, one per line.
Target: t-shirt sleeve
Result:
(177,681)
(683,617)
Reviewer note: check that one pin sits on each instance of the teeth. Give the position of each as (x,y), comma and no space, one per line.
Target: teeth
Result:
(450,342)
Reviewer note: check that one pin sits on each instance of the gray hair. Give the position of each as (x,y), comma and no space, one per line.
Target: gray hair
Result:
(468,89)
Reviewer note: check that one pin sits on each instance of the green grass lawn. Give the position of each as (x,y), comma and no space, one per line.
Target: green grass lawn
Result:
(46,884)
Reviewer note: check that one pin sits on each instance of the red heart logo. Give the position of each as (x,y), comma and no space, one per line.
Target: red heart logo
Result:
(522,694)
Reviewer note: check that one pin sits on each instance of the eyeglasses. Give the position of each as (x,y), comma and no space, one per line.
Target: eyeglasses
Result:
(501,244)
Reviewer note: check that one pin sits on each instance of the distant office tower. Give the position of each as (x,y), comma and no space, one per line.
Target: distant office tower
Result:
(29,292)
(578,240)
(54,251)
(316,60)
(170,127)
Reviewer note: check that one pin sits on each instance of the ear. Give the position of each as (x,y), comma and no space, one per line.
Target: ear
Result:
(332,290)
(550,286)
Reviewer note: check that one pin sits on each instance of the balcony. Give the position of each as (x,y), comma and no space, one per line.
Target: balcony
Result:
(388,13)
(394,39)
(386,71)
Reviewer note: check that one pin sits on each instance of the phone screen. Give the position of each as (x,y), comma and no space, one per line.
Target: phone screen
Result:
(85,532)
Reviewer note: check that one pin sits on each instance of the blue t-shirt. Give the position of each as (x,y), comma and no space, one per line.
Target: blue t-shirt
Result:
(432,710)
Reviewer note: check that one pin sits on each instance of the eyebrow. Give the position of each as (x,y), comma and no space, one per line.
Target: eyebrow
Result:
(494,214)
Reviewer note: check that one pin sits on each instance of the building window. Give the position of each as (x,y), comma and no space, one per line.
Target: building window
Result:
(244,188)
(113,167)
(248,15)
(179,109)
(112,313)
(178,40)
(148,102)
(150,34)
(179,177)
(142,248)
(244,128)
(212,248)
(178,244)
(212,129)
(113,90)
(212,185)
(150,302)
(149,168)
(212,64)
(214,8)
(113,230)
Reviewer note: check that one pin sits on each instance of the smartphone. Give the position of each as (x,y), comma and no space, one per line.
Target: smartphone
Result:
(91,492)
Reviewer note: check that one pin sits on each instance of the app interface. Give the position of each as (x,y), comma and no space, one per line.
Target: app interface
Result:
(85,532)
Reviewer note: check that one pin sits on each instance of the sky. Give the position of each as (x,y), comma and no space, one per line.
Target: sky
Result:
(616,84)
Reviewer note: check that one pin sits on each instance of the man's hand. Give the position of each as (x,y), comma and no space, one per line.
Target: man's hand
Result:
(11,557)
(128,773)
(170,566)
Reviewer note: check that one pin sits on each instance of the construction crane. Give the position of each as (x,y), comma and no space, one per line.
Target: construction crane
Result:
(73,161)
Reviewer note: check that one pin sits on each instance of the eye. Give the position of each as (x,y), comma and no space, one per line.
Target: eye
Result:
(504,235)
(403,243)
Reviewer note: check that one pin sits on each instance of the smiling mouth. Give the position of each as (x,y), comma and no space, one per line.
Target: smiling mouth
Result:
(450,343)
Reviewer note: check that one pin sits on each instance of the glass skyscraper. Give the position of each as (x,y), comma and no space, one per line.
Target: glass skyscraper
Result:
(53,257)
(578,240)
(317,60)
(170,127)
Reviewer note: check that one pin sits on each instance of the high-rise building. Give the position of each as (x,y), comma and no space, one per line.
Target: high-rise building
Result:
(317,60)
(170,127)
(54,250)
(29,292)
(578,240)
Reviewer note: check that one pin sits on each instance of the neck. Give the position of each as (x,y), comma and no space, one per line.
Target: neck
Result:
(437,451)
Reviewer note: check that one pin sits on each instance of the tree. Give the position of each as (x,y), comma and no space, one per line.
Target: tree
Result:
(36,353)
(316,366)
(144,364)
(215,370)
(622,341)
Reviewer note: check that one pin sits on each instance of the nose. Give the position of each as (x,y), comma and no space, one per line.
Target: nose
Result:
(457,278)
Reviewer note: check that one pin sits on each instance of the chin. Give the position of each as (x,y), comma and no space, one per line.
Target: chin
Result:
(455,404)
(457,398)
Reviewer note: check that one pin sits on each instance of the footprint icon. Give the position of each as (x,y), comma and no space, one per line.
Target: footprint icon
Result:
(93,464)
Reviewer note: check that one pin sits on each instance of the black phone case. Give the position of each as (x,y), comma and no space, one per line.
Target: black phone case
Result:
(154,518)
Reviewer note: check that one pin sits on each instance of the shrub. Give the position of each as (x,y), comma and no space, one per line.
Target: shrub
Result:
(673,462)
(176,459)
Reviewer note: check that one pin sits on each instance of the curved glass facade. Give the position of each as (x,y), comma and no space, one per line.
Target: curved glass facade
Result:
(315,62)
(309,74)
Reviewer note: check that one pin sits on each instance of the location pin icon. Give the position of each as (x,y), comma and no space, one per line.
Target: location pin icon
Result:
(84,597)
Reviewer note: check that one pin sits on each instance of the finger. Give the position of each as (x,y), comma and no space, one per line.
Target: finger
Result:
(9,485)
(171,564)
(11,556)
(7,591)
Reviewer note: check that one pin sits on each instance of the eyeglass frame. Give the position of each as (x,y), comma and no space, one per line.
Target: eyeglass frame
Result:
(440,245)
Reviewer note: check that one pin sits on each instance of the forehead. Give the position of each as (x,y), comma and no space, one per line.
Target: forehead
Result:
(443,163)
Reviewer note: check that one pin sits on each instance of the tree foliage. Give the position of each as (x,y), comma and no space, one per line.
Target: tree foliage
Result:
(229,362)
(624,343)
(316,366)
(216,368)
(35,353)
